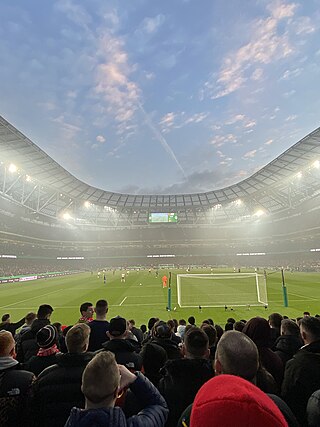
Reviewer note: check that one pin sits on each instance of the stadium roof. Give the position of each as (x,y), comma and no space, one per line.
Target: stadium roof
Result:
(285,182)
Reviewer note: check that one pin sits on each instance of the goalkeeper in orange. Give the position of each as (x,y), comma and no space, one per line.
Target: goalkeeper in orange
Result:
(164,281)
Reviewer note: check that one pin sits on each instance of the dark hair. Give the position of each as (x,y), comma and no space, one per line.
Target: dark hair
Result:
(311,325)
(196,342)
(228,326)
(210,332)
(58,327)
(85,306)
(5,317)
(192,320)
(275,320)
(231,320)
(182,322)
(151,322)
(211,321)
(44,310)
(219,331)
(161,329)
(143,328)
(101,307)
(289,327)
(171,324)
(238,326)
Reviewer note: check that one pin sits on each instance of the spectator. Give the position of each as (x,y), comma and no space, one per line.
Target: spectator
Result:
(161,335)
(47,340)
(86,310)
(123,349)
(238,326)
(212,336)
(30,317)
(136,332)
(192,321)
(58,388)
(275,320)
(258,330)
(228,400)
(182,378)
(15,385)
(302,373)
(27,346)
(102,380)
(7,325)
(289,341)
(99,326)
(153,359)
(172,327)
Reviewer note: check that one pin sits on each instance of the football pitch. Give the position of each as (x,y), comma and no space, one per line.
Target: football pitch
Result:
(142,296)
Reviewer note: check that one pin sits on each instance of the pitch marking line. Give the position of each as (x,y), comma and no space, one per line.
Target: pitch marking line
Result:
(29,299)
(303,296)
(123,301)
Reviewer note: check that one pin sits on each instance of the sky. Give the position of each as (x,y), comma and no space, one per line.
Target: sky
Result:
(161,97)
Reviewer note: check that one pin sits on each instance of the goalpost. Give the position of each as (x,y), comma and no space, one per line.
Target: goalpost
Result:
(219,290)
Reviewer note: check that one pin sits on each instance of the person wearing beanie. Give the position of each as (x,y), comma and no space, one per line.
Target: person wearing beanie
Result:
(126,350)
(47,339)
(231,401)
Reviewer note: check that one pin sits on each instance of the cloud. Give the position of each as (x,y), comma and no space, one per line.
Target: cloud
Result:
(250,154)
(220,140)
(267,45)
(69,130)
(257,74)
(291,118)
(269,142)
(235,119)
(168,119)
(304,25)
(250,124)
(100,139)
(288,74)
(152,25)
(179,119)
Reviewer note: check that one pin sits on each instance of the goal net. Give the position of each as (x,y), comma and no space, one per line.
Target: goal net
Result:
(225,289)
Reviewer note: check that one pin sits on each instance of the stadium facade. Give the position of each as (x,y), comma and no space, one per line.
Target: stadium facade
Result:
(270,218)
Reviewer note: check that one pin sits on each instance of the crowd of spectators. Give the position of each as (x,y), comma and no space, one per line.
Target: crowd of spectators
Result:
(100,372)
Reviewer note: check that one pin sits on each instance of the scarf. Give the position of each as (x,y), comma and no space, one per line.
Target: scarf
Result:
(48,351)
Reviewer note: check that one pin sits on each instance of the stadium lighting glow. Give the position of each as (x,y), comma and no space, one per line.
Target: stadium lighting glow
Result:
(12,168)
(66,216)
(238,202)
(28,178)
(259,213)
(87,204)
(299,175)
(316,164)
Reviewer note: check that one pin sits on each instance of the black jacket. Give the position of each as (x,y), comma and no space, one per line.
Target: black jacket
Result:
(286,346)
(58,389)
(37,364)
(27,345)
(15,393)
(181,381)
(12,327)
(301,379)
(125,353)
(171,347)
(98,334)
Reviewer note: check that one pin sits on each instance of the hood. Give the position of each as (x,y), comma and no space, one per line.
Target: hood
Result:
(187,368)
(73,359)
(119,345)
(96,417)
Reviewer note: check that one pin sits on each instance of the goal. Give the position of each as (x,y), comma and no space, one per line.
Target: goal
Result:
(218,290)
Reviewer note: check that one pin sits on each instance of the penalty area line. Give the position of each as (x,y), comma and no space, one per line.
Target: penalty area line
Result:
(123,301)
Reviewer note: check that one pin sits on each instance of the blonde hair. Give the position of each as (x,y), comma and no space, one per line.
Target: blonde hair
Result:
(101,378)
(7,343)
(77,338)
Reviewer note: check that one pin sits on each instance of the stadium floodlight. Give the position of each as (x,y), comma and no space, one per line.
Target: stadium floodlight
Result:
(12,168)
(238,202)
(316,164)
(299,175)
(259,213)
(28,178)
(87,204)
(66,216)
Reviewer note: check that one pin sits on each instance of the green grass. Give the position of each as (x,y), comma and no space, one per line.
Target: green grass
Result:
(149,299)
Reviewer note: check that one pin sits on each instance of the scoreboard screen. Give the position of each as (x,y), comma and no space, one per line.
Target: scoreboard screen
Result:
(156,217)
